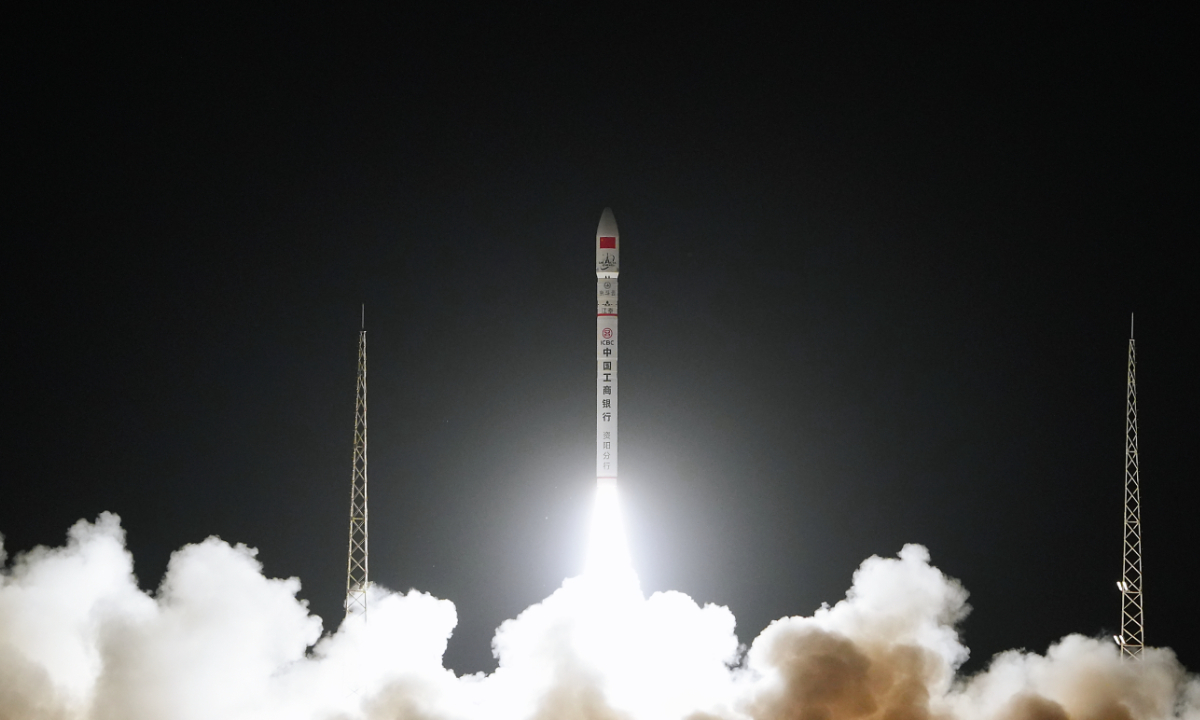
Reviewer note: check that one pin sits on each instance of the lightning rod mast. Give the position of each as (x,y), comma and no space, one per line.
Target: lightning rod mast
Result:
(1132,634)
(356,566)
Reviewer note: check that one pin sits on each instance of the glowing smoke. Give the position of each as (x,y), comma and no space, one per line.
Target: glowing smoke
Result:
(79,640)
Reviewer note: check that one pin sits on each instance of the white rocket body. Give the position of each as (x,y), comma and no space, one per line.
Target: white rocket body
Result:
(608,262)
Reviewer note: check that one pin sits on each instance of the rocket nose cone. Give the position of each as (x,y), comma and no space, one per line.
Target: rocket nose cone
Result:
(608,224)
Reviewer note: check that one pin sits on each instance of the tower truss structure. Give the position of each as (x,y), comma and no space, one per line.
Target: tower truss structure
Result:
(1132,635)
(356,565)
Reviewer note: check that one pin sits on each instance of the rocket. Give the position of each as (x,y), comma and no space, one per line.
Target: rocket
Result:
(608,262)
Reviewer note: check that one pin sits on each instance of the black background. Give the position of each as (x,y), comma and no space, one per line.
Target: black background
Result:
(878,270)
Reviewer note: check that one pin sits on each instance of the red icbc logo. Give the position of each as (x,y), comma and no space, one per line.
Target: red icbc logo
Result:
(607,333)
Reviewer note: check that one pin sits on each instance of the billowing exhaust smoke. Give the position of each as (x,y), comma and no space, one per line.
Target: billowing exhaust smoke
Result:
(80,641)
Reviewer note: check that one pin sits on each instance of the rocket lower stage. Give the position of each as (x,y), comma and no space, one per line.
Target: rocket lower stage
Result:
(607,268)
(606,379)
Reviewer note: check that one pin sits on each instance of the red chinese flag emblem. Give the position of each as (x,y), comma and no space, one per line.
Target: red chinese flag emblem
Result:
(608,243)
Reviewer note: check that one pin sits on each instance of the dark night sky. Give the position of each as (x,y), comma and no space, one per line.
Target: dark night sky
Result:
(877,276)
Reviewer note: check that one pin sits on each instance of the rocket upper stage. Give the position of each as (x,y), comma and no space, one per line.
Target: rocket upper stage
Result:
(608,246)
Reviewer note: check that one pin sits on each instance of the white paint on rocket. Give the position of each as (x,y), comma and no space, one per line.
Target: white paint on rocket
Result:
(608,265)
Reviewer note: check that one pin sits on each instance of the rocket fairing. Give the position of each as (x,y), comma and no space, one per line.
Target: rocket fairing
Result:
(608,262)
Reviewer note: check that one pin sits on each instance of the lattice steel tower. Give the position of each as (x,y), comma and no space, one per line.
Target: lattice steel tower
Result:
(356,565)
(1132,634)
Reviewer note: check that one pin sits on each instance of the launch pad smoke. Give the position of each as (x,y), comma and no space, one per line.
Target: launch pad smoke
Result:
(79,640)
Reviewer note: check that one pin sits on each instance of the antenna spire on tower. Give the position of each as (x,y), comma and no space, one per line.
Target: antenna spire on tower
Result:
(1132,635)
(356,566)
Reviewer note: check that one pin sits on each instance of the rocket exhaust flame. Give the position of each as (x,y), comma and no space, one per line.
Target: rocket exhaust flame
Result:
(608,552)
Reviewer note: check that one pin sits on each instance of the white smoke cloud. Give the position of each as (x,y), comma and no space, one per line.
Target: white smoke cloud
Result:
(80,641)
